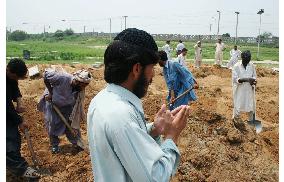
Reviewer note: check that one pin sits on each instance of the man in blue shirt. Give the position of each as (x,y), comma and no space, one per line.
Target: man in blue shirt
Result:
(179,79)
(123,146)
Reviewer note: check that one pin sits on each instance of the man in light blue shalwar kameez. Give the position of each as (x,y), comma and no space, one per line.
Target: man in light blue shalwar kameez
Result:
(123,146)
(179,79)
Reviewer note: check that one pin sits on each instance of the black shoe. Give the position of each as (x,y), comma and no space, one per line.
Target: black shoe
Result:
(55,150)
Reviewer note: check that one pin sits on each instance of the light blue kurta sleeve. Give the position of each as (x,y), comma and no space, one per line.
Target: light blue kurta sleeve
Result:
(143,159)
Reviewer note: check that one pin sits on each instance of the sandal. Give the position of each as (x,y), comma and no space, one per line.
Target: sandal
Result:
(31,173)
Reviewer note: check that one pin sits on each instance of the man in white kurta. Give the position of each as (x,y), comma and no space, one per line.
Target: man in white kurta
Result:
(219,52)
(244,80)
(182,57)
(168,49)
(198,54)
(180,46)
(235,56)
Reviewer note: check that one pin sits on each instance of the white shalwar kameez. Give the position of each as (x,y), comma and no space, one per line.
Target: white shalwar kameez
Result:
(181,60)
(198,56)
(219,53)
(235,56)
(243,93)
(168,50)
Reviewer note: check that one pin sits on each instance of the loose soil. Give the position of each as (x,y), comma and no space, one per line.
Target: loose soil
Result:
(212,148)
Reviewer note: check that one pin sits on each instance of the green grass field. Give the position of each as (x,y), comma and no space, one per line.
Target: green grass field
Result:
(90,49)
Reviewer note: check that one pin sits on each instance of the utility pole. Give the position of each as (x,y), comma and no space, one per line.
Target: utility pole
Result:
(210,31)
(259,12)
(43,31)
(84,29)
(237,13)
(121,24)
(110,29)
(218,23)
(125,21)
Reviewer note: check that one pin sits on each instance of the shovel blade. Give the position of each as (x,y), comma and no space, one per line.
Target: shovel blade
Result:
(81,144)
(257,124)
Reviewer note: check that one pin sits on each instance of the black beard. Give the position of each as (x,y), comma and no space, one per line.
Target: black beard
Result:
(141,86)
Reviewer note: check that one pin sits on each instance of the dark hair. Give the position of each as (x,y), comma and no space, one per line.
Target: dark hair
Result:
(131,46)
(180,41)
(184,49)
(163,55)
(18,67)
(246,56)
(168,41)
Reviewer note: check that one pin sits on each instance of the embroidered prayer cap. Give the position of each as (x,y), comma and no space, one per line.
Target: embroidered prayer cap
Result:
(137,37)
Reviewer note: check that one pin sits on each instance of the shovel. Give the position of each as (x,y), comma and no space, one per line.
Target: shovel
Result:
(255,123)
(34,159)
(180,96)
(80,142)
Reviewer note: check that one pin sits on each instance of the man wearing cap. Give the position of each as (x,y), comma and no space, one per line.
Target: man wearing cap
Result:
(198,54)
(180,46)
(244,81)
(123,146)
(67,92)
(220,47)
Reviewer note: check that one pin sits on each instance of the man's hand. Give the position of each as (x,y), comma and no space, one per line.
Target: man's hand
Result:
(20,109)
(179,116)
(162,122)
(48,97)
(22,126)
(196,86)
(252,81)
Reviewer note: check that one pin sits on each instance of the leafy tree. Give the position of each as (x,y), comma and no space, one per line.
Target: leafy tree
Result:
(226,35)
(264,35)
(68,32)
(59,34)
(18,35)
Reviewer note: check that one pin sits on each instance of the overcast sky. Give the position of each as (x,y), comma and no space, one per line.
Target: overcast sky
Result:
(154,16)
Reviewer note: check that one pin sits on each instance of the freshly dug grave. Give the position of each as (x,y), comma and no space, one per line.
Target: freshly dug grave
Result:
(212,148)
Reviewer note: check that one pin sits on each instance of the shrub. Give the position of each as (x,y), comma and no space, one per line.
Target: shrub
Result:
(18,35)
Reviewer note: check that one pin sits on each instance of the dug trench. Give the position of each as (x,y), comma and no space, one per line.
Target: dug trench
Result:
(211,147)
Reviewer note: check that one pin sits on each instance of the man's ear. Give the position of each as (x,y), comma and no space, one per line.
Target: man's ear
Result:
(136,70)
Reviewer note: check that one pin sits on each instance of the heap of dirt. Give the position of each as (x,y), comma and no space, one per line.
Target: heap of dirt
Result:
(212,148)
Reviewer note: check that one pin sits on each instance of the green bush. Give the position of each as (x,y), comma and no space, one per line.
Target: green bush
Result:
(47,57)
(67,56)
(18,35)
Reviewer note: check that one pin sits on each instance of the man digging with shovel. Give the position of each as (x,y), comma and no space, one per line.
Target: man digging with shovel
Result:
(179,80)
(16,70)
(244,82)
(62,105)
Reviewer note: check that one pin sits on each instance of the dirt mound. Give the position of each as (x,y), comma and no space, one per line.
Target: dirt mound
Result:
(212,148)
